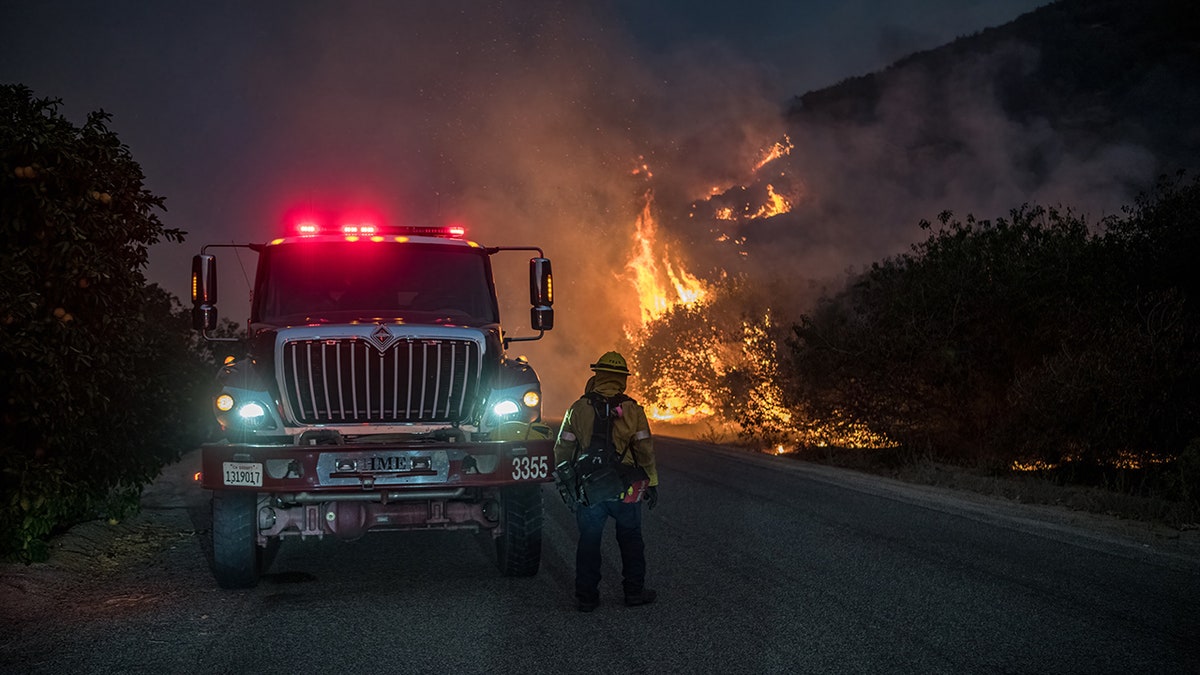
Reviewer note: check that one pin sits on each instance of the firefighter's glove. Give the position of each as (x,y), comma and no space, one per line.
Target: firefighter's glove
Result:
(652,497)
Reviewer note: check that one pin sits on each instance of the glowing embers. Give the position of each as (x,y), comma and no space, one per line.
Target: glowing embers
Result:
(778,149)
(1127,460)
(837,430)
(757,199)
(744,204)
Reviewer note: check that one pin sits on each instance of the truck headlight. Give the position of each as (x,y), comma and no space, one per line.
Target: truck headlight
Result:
(251,412)
(520,403)
(505,408)
(245,409)
(254,416)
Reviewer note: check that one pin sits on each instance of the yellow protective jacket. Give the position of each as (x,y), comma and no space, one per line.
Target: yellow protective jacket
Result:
(631,430)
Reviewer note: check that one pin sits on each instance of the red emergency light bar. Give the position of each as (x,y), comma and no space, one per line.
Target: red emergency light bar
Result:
(451,231)
(309,228)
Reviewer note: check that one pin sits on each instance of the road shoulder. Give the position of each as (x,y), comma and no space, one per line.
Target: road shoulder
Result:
(1176,548)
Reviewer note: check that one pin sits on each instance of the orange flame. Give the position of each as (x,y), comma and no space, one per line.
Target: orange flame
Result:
(684,387)
(661,282)
(779,149)
(776,204)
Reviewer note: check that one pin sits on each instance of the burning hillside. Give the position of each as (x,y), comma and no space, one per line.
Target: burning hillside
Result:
(706,348)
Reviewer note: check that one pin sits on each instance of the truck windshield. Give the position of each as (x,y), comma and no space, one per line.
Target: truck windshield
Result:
(311,282)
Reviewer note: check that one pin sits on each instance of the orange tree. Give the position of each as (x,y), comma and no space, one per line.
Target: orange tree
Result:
(96,370)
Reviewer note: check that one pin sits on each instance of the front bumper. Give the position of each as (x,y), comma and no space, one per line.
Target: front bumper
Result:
(375,467)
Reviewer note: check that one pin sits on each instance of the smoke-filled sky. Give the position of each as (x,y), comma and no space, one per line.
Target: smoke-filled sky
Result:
(526,121)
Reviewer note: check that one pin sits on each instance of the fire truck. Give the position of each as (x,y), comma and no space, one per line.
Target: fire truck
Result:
(374,394)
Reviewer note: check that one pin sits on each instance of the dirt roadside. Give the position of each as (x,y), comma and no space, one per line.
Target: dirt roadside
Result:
(99,551)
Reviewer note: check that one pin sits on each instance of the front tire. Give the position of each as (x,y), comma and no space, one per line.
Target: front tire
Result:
(519,546)
(237,559)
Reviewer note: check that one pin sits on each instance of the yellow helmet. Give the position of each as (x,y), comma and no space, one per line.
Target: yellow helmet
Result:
(611,362)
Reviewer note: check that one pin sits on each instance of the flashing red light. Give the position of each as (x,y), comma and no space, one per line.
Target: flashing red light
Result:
(451,231)
(368,230)
(361,228)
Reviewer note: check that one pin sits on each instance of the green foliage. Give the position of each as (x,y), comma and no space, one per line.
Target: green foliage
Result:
(1027,338)
(1122,382)
(95,365)
(921,347)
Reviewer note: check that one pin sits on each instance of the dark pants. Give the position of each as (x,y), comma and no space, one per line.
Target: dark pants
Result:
(591,520)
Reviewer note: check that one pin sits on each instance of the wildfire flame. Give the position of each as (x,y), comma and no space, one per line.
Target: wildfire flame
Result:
(661,282)
(776,204)
(779,149)
(688,388)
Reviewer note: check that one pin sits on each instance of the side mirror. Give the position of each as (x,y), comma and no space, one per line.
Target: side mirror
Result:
(541,282)
(204,292)
(541,294)
(542,318)
(204,317)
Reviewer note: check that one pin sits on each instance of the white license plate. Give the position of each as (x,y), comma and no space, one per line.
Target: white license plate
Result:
(243,473)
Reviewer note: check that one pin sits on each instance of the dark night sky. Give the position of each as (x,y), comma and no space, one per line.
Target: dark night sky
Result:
(521,119)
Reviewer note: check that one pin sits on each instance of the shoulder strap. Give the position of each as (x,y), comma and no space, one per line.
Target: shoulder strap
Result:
(602,424)
(607,403)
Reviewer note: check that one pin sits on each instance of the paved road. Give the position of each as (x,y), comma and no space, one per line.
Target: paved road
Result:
(762,565)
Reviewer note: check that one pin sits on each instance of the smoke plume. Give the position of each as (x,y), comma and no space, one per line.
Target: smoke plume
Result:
(534,129)
(544,126)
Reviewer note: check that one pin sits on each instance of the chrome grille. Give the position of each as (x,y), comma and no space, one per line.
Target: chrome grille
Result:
(349,380)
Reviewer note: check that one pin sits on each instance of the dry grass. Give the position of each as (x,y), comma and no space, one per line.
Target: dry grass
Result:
(1041,488)
(1025,488)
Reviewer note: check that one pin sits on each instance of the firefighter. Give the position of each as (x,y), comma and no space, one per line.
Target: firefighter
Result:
(630,434)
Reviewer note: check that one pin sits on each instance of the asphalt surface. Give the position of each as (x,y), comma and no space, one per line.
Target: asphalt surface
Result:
(762,564)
